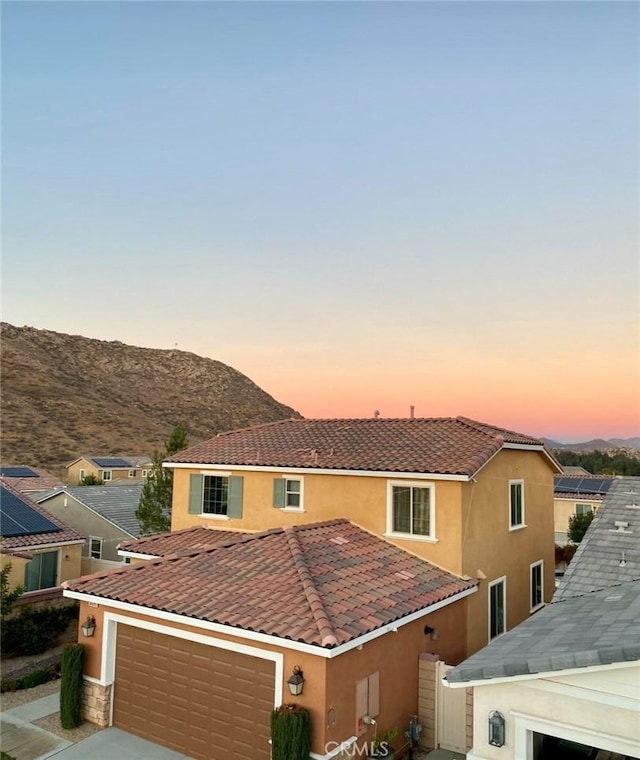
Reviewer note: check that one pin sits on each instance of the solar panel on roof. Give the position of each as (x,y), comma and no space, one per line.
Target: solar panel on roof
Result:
(18,472)
(579,484)
(17,518)
(111,462)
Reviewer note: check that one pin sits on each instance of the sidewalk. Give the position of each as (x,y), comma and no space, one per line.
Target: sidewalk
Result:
(25,741)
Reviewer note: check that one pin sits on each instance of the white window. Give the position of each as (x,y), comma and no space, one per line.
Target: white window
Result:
(144,473)
(497,607)
(516,504)
(411,510)
(537,590)
(106,474)
(95,547)
(82,474)
(216,495)
(132,473)
(288,493)
(584,509)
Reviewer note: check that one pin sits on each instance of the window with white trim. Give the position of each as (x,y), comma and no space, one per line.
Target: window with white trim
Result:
(583,509)
(288,493)
(516,504)
(95,547)
(132,473)
(106,474)
(216,495)
(82,474)
(411,510)
(497,607)
(536,585)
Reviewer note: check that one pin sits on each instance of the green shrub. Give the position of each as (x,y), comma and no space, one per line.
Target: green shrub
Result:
(290,733)
(33,631)
(31,679)
(72,666)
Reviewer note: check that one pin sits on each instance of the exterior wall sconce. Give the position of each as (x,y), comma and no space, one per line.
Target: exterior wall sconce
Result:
(496,729)
(89,626)
(296,682)
(429,631)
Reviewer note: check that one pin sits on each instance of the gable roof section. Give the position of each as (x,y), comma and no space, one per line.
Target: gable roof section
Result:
(609,553)
(322,584)
(186,541)
(116,463)
(599,628)
(40,480)
(61,534)
(445,446)
(117,505)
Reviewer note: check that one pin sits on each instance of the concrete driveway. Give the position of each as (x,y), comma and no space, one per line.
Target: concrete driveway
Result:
(23,740)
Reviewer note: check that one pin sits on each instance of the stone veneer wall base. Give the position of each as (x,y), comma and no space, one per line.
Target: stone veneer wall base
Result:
(96,703)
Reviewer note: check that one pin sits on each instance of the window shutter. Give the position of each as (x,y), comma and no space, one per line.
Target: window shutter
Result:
(235,496)
(279,492)
(196,484)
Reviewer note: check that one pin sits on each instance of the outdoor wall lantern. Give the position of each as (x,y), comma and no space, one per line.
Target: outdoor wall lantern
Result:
(89,626)
(296,682)
(496,729)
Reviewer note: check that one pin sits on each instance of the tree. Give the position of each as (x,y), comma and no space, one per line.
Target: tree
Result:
(154,510)
(91,480)
(578,525)
(8,596)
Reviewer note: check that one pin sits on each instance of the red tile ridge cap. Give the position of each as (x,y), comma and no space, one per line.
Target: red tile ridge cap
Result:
(328,636)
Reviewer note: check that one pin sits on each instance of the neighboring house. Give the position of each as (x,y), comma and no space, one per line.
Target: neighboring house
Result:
(566,682)
(107,468)
(42,550)
(576,495)
(104,515)
(29,480)
(194,651)
(470,497)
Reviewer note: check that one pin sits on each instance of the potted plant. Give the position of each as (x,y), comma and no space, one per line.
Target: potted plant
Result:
(381,748)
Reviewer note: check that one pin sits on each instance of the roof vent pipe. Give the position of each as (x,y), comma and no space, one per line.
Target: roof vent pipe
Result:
(412,410)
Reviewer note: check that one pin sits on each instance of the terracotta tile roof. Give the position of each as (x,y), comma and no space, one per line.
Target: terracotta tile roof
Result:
(323,584)
(183,541)
(43,481)
(63,536)
(456,446)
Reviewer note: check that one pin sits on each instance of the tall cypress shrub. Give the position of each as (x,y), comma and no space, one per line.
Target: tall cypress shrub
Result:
(290,733)
(71,669)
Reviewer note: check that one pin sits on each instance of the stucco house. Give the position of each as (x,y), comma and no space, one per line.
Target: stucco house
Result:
(195,649)
(107,468)
(470,497)
(576,495)
(566,682)
(42,550)
(104,515)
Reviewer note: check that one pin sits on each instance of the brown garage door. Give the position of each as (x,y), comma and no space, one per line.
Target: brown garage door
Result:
(203,701)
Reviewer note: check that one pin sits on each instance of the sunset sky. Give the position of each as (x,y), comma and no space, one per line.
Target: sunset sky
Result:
(361,206)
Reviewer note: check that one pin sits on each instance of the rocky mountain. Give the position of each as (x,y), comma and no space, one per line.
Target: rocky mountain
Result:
(628,445)
(65,395)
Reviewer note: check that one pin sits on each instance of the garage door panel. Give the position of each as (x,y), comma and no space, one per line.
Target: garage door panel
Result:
(200,700)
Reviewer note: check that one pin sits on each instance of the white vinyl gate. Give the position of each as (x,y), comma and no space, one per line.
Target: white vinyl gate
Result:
(451,720)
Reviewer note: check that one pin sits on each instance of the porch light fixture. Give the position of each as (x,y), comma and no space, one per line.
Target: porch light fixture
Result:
(429,631)
(89,626)
(496,729)
(296,682)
